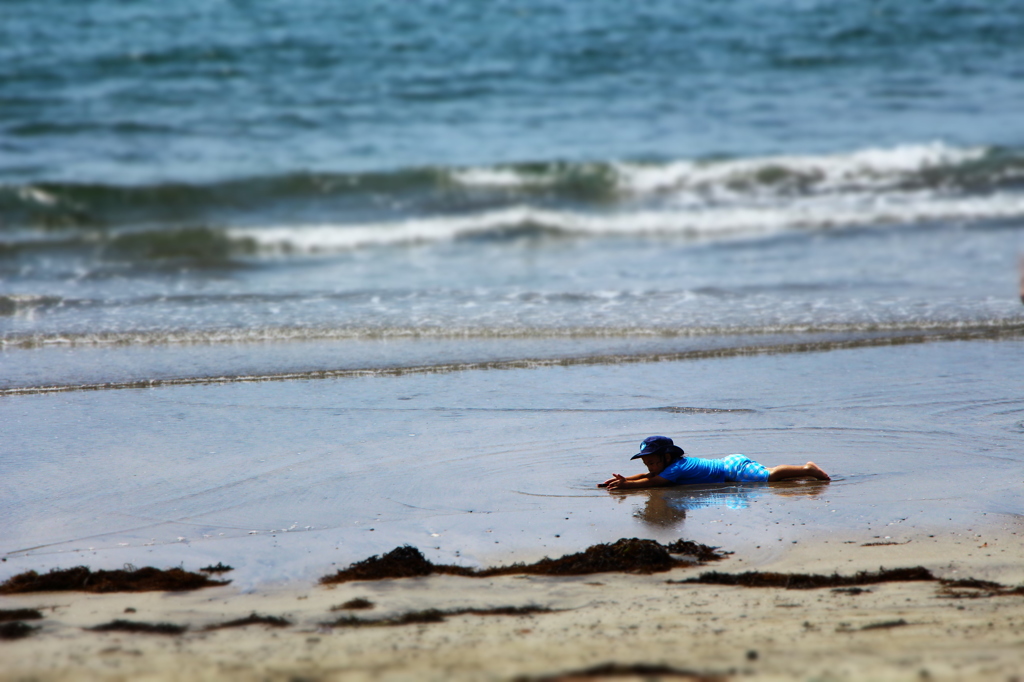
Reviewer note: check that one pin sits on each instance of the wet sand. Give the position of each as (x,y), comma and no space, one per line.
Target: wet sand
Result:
(284,479)
(607,621)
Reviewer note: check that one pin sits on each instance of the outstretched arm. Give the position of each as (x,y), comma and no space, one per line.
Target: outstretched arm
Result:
(634,477)
(648,481)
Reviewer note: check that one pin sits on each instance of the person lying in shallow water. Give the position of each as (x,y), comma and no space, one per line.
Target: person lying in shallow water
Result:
(667,464)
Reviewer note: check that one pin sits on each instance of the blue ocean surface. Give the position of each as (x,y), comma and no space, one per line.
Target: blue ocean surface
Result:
(115,93)
(375,201)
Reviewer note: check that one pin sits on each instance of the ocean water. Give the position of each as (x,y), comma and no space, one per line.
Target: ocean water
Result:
(218,204)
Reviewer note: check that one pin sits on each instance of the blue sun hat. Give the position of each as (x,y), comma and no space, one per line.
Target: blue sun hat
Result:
(655,445)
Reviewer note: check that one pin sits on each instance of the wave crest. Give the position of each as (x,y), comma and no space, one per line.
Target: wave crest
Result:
(936,165)
(705,199)
(703,223)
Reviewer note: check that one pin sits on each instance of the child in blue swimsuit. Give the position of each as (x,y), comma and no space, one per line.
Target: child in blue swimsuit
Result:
(667,464)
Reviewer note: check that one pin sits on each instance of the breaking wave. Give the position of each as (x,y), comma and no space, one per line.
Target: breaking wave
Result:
(13,304)
(700,223)
(930,166)
(703,199)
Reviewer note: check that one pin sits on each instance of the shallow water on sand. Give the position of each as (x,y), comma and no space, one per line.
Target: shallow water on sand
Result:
(284,479)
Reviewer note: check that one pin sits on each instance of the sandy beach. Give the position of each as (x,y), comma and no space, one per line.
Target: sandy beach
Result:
(600,626)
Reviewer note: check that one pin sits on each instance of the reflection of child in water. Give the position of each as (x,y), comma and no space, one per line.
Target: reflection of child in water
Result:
(666,507)
(667,464)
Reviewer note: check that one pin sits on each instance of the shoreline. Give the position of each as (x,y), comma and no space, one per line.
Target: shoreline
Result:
(605,349)
(892,630)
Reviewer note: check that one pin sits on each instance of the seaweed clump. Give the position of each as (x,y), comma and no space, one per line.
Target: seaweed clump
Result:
(129,579)
(218,568)
(702,553)
(811,581)
(358,603)
(971,588)
(401,562)
(885,625)
(635,670)
(7,615)
(252,619)
(630,555)
(16,630)
(435,616)
(136,626)
(626,555)
(410,618)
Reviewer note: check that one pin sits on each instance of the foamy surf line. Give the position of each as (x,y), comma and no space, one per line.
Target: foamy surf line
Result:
(708,199)
(301,334)
(868,340)
(753,217)
(872,167)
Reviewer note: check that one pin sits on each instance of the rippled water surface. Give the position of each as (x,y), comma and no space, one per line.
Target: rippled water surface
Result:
(282,479)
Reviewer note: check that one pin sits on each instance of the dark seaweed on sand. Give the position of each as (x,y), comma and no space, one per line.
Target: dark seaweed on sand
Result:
(16,630)
(435,616)
(810,581)
(854,591)
(135,626)
(7,615)
(353,605)
(252,619)
(218,568)
(626,555)
(410,618)
(958,589)
(635,670)
(885,625)
(503,611)
(701,553)
(401,562)
(970,588)
(973,583)
(129,579)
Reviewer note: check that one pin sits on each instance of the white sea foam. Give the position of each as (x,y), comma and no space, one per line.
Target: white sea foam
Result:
(38,196)
(875,168)
(710,220)
(702,199)
(500,177)
(863,169)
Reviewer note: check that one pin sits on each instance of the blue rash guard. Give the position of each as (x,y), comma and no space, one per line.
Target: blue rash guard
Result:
(731,469)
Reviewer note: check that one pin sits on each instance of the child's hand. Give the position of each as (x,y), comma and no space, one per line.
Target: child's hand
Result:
(617,481)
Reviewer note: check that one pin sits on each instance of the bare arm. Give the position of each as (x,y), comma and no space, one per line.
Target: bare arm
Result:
(649,481)
(634,477)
